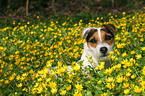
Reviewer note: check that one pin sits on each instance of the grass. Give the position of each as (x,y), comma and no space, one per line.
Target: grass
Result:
(29,48)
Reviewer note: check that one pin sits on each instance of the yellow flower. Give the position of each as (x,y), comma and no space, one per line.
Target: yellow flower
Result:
(28,23)
(102,63)
(111,53)
(91,61)
(142,39)
(132,52)
(90,57)
(99,82)
(54,90)
(76,67)
(108,71)
(101,66)
(22,78)
(69,80)
(120,79)
(118,66)
(110,85)
(110,79)
(24,74)
(97,68)
(138,56)
(133,76)
(31,71)
(37,17)
(126,91)
(77,94)
(52,72)
(67,87)
(52,84)
(11,78)
(143,48)
(1,84)
(125,85)
(124,54)
(18,77)
(143,70)
(48,79)
(79,86)
(48,64)
(137,89)
(122,45)
(59,63)
(7,81)
(14,22)
(104,94)
(24,89)
(142,83)
(132,60)
(113,57)
(63,92)
(19,85)
(128,74)
(63,68)
(40,79)
(109,13)
(124,13)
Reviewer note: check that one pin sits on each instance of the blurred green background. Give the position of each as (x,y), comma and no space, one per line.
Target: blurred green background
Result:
(49,8)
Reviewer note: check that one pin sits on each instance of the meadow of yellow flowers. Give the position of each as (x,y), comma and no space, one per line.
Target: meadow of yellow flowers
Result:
(28,51)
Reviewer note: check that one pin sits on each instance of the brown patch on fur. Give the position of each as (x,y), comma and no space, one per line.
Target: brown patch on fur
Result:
(109,26)
(103,27)
(95,35)
(110,42)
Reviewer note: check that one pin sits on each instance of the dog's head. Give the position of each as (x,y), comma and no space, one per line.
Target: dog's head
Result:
(100,40)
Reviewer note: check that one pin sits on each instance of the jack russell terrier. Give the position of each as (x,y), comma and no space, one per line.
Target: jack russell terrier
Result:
(99,42)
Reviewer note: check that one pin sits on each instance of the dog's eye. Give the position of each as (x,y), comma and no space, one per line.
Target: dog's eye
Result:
(108,37)
(93,41)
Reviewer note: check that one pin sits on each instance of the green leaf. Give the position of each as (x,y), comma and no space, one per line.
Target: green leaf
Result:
(98,88)
(12,49)
(89,93)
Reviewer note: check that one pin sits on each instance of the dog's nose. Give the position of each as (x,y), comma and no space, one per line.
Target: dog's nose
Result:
(103,50)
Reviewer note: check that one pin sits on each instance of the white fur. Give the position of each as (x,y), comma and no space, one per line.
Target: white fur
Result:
(99,33)
(88,52)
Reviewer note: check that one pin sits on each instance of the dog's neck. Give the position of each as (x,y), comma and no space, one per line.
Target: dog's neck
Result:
(87,53)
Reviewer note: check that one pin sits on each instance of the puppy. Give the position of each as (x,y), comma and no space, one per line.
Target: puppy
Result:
(99,42)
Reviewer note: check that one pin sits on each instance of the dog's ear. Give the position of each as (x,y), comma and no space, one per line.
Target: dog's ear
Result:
(86,31)
(110,27)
